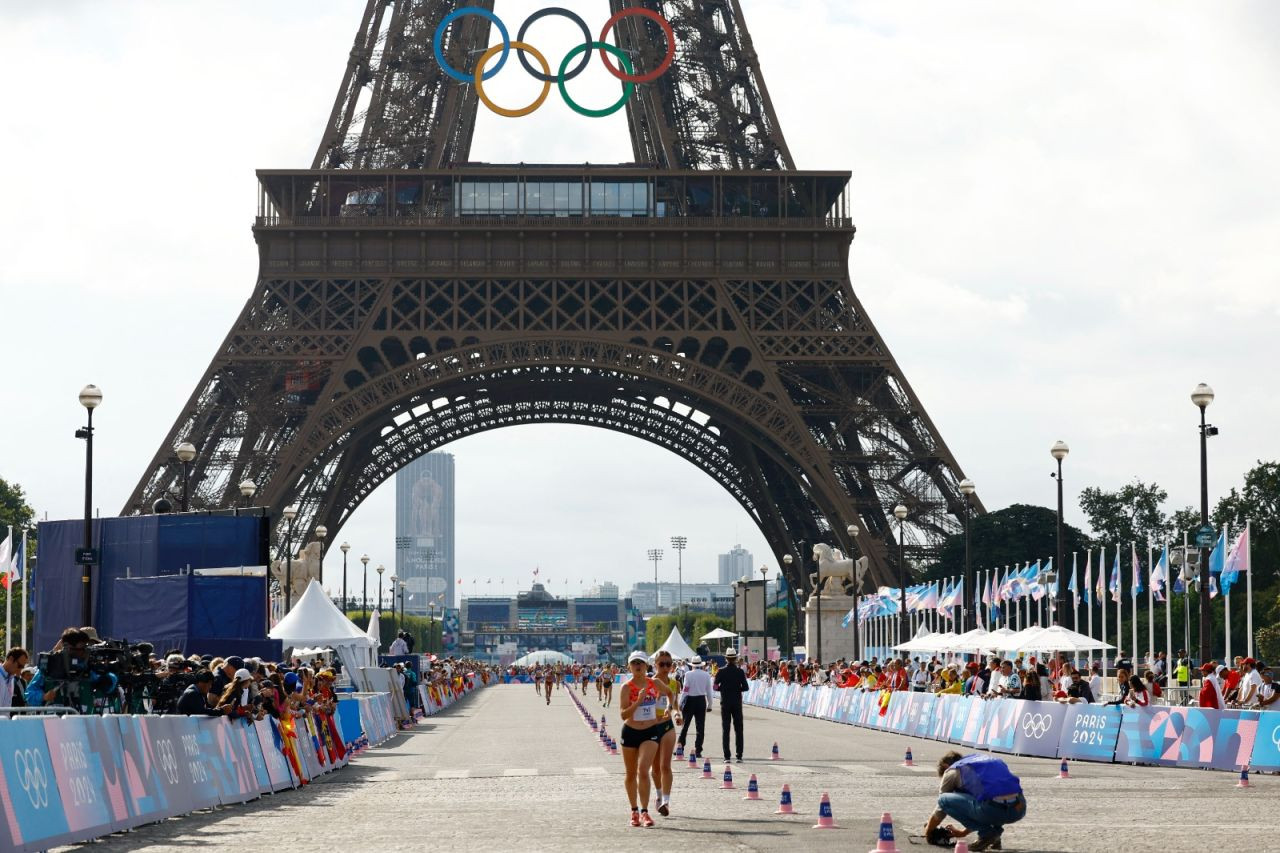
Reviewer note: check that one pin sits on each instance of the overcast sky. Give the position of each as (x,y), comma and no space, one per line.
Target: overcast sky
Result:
(1068,215)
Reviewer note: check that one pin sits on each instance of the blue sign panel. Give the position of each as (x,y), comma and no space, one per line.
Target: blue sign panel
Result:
(1089,732)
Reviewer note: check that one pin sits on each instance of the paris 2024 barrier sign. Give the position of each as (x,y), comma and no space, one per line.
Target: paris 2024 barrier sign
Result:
(1168,736)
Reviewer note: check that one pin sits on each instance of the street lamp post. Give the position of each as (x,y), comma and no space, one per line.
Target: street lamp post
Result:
(394,582)
(364,590)
(764,614)
(344,548)
(248,489)
(1202,396)
(1059,452)
(380,570)
(655,554)
(967,488)
(90,398)
(787,561)
(679,543)
(290,513)
(185,453)
(900,513)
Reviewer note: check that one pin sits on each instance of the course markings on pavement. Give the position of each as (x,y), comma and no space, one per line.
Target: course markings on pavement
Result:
(520,771)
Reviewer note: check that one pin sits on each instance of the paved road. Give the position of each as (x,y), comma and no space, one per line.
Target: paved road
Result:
(503,771)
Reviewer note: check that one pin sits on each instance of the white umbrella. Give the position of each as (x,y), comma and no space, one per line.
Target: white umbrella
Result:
(1059,639)
(969,641)
(1018,641)
(542,656)
(718,634)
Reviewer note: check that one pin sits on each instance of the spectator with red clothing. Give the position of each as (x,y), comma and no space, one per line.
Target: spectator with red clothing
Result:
(1210,692)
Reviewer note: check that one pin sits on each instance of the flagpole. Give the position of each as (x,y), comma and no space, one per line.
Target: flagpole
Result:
(1168,617)
(26,579)
(1248,587)
(1102,602)
(1119,606)
(1226,593)
(7,568)
(1133,594)
(1088,606)
(1151,610)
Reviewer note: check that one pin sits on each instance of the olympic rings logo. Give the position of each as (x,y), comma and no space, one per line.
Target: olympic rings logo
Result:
(626,74)
(32,776)
(167,760)
(1035,726)
(1275,737)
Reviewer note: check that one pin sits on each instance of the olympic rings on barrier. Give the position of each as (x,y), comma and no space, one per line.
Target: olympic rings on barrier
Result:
(32,776)
(1275,737)
(666,60)
(627,75)
(1035,726)
(537,102)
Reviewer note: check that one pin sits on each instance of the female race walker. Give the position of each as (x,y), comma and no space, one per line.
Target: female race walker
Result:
(550,680)
(642,732)
(608,684)
(668,718)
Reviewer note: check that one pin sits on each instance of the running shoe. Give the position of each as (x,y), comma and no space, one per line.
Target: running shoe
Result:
(645,820)
(635,818)
(663,808)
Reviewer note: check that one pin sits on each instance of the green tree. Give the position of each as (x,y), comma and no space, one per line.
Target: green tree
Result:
(1011,535)
(426,631)
(14,510)
(1184,521)
(1131,513)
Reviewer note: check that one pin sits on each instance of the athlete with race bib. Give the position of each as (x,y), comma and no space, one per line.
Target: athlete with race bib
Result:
(642,732)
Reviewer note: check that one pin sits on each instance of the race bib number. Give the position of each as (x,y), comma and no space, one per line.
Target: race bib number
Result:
(645,711)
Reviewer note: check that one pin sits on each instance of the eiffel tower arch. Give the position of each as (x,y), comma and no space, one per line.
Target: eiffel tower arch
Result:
(700,301)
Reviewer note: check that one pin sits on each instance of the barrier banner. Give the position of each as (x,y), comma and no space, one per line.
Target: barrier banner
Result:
(253,749)
(1039,725)
(1266,746)
(164,741)
(924,719)
(1187,737)
(269,740)
(143,789)
(348,717)
(895,719)
(86,765)
(1089,732)
(29,793)
(944,714)
(967,731)
(232,768)
(999,727)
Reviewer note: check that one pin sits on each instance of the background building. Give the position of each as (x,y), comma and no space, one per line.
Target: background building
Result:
(500,629)
(735,564)
(704,597)
(425,531)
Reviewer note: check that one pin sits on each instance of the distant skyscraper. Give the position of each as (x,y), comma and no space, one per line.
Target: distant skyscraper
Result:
(425,532)
(735,564)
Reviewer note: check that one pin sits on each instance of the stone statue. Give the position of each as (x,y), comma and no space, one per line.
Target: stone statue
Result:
(306,565)
(834,566)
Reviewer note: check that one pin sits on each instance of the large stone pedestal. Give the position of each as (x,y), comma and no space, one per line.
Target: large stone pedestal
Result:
(837,641)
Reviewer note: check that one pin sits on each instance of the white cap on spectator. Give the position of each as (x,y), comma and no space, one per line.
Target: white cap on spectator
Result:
(243,675)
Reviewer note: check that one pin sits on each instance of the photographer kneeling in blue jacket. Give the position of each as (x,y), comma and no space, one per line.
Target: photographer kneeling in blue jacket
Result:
(982,794)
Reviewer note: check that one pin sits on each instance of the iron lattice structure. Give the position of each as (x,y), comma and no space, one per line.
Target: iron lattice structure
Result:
(700,302)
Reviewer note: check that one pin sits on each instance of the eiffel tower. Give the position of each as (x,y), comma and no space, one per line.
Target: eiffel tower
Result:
(697,298)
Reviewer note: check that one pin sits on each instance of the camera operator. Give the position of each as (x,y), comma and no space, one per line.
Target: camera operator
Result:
(195,699)
(73,645)
(177,679)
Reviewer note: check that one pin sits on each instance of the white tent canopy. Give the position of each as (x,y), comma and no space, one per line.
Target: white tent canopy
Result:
(719,634)
(1019,641)
(1060,639)
(316,621)
(969,641)
(928,643)
(676,645)
(542,656)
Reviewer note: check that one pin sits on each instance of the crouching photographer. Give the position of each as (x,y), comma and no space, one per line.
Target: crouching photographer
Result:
(982,794)
(88,675)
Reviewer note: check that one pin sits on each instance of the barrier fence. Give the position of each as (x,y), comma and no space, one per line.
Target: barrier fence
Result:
(1168,736)
(74,778)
